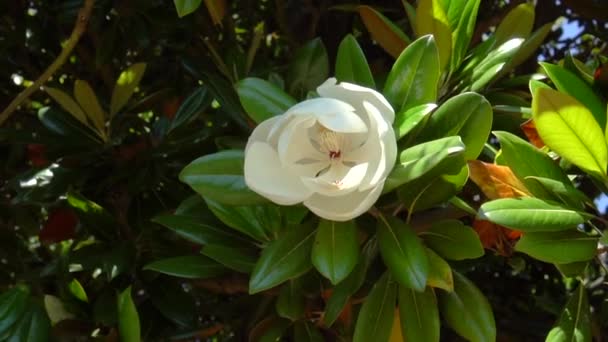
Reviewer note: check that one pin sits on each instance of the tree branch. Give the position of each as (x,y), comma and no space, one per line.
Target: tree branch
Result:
(79,27)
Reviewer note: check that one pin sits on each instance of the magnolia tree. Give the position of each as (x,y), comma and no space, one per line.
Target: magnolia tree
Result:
(316,202)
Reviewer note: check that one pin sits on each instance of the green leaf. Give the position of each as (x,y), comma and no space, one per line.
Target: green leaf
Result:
(254,221)
(494,64)
(403,253)
(468,115)
(437,156)
(309,68)
(419,315)
(194,105)
(307,332)
(351,65)
(463,15)
(409,120)
(291,302)
(529,46)
(125,86)
(60,123)
(336,249)
(33,326)
(190,266)
(283,259)
(66,102)
(12,304)
(530,214)
(262,99)
(377,312)
(414,78)
(194,230)
(185,7)
(579,68)
(432,20)
(567,82)
(563,192)
(518,23)
(219,177)
(235,258)
(343,291)
(77,290)
(574,324)
(569,129)
(453,240)
(388,35)
(440,272)
(85,96)
(558,247)
(128,319)
(467,311)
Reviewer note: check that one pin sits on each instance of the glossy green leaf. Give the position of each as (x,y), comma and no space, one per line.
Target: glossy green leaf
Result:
(336,249)
(530,214)
(437,156)
(407,121)
(343,291)
(468,115)
(194,230)
(403,253)
(192,106)
(525,161)
(462,16)
(64,125)
(563,192)
(414,78)
(262,99)
(578,68)
(235,258)
(432,20)
(351,65)
(126,84)
(66,102)
(12,304)
(567,82)
(190,266)
(219,177)
(569,129)
(85,96)
(307,332)
(185,7)
(529,46)
(518,23)
(558,247)
(419,315)
(573,269)
(291,302)
(309,68)
(440,272)
(453,240)
(128,318)
(574,324)
(378,312)
(494,65)
(283,259)
(388,35)
(77,290)
(254,221)
(33,326)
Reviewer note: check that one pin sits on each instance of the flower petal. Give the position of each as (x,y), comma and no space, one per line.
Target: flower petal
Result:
(335,115)
(265,175)
(339,180)
(346,207)
(355,95)
(294,142)
(380,149)
(262,131)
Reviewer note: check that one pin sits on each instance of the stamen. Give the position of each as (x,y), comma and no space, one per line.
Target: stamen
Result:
(331,143)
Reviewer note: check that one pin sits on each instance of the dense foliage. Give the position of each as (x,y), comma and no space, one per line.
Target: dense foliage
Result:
(125,213)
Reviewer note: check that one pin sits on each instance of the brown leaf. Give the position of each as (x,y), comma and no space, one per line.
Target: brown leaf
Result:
(495,237)
(496,181)
(382,31)
(532,134)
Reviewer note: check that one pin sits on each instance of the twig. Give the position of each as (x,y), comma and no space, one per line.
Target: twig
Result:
(79,27)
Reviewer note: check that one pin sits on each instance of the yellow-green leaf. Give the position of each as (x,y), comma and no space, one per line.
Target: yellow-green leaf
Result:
(67,102)
(431,19)
(517,24)
(383,31)
(85,96)
(568,128)
(125,86)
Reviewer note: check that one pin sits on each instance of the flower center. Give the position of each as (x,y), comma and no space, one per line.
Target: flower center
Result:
(331,143)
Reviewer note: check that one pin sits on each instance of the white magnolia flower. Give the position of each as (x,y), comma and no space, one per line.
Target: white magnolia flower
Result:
(332,153)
